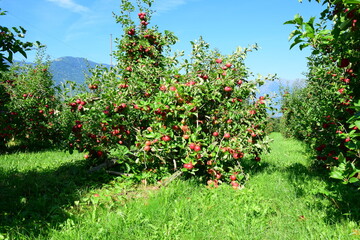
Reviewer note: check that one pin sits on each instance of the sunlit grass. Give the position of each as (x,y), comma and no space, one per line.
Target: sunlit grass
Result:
(284,199)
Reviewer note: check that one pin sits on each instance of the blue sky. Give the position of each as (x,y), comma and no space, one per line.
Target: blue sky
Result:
(82,28)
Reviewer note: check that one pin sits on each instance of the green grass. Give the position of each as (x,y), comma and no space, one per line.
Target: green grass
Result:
(284,199)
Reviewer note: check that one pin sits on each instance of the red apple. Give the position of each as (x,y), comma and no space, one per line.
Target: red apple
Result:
(131,32)
(188,166)
(344,63)
(197,148)
(166,138)
(192,146)
(233,177)
(227,89)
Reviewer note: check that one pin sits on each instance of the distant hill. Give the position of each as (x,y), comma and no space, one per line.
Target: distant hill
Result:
(71,69)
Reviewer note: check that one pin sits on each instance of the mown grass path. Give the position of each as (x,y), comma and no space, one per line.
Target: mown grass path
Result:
(283,199)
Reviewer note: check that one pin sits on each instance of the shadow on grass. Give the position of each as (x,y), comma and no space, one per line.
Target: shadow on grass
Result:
(27,148)
(344,199)
(34,201)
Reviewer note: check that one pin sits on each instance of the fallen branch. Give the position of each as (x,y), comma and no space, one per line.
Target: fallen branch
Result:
(107,164)
(171,178)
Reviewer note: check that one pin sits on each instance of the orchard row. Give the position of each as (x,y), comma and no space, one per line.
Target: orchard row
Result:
(326,113)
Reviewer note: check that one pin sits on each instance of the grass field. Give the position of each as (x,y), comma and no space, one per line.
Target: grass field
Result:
(51,195)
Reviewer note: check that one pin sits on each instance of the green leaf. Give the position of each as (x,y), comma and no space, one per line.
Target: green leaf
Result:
(302,46)
(298,19)
(345,24)
(353,180)
(351,1)
(357,124)
(336,175)
(290,22)
(296,41)
(309,30)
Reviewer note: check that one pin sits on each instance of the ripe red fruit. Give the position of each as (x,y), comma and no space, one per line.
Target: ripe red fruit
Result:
(237,155)
(205,77)
(215,134)
(192,146)
(235,184)
(228,65)
(186,136)
(197,148)
(188,166)
(218,60)
(142,15)
(131,32)
(166,138)
(185,128)
(147,148)
(190,83)
(347,139)
(233,177)
(252,112)
(341,90)
(227,135)
(344,63)
(227,89)
(257,159)
(99,153)
(144,23)
(172,88)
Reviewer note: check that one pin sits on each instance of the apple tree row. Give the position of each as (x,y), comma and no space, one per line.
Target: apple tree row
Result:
(325,113)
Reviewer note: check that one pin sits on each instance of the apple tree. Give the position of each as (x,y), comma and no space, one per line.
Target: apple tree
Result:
(157,115)
(11,43)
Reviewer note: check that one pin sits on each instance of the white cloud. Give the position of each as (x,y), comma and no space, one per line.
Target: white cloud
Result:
(71,5)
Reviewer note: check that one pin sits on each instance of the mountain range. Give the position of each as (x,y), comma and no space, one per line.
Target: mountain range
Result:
(76,68)
(71,69)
